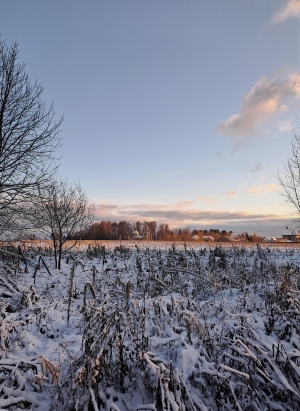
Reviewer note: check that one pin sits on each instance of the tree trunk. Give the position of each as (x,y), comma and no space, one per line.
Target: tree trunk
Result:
(59,256)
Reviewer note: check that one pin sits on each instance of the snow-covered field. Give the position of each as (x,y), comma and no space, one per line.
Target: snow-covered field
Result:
(160,327)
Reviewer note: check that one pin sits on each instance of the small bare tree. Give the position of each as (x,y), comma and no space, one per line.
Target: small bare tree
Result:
(29,138)
(290,179)
(62,212)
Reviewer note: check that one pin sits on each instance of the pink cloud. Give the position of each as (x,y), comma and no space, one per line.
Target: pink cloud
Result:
(230,193)
(177,216)
(266,101)
(263,189)
(289,10)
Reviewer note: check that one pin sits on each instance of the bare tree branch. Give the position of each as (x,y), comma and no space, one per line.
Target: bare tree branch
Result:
(62,213)
(29,138)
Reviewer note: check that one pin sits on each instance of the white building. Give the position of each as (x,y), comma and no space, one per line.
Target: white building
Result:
(136,235)
(269,239)
(208,238)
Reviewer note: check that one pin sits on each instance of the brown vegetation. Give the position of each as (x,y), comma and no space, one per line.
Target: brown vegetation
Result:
(107,230)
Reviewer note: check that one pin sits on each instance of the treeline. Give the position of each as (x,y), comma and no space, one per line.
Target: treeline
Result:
(107,230)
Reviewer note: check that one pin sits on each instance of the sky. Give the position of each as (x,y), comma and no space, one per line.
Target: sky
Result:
(176,111)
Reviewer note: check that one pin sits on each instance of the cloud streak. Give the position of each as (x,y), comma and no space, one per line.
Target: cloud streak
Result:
(207,200)
(267,100)
(175,214)
(263,189)
(229,193)
(287,11)
(183,215)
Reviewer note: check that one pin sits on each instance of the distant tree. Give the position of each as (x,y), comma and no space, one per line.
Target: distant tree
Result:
(114,231)
(255,238)
(124,230)
(63,212)
(186,234)
(164,233)
(106,230)
(245,236)
(152,228)
(178,234)
(139,226)
(29,137)
(290,179)
(161,232)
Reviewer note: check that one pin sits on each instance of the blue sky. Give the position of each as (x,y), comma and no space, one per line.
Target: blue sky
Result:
(178,111)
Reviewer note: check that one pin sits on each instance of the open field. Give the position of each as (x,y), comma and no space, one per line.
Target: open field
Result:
(151,326)
(83,244)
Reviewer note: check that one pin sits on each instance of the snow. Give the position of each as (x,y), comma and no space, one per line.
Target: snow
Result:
(152,326)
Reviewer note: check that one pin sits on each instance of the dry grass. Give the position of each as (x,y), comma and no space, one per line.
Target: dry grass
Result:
(84,244)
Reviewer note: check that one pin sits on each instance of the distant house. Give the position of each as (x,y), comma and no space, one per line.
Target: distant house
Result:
(195,237)
(136,235)
(295,237)
(208,238)
(269,239)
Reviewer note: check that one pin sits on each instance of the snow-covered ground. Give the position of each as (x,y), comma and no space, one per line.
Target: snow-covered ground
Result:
(151,326)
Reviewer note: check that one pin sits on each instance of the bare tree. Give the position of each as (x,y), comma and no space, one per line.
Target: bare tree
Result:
(29,137)
(290,179)
(62,213)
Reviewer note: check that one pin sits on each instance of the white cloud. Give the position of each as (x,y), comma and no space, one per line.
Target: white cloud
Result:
(285,126)
(230,193)
(265,102)
(184,204)
(208,199)
(290,9)
(262,189)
